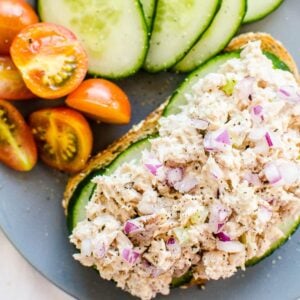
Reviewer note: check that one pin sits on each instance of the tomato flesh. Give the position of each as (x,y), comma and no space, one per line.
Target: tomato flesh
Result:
(63,137)
(14,16)
(50,58)
(12,86)
(101,100)
(17,146)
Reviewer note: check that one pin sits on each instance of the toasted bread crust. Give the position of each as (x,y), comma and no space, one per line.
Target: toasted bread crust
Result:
(149,125)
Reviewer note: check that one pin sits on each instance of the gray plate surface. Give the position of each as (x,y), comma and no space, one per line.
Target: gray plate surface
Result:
(32,217)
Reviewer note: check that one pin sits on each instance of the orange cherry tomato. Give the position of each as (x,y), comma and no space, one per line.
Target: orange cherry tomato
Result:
(51,59)
(12,86)
(17,146)
(14,16)
(64,138)
(101,100)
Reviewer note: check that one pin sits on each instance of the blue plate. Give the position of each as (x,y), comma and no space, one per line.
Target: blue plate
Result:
(32,217)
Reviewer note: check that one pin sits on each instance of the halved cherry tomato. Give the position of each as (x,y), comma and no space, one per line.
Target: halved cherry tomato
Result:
(14,16)
(51,59)
(101,100)
(12,86)
(63,137)
(17,146)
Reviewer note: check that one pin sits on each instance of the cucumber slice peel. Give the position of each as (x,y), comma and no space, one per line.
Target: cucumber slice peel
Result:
(288,227)
(178,99)
(258,9)
(224,26)
(84,191)
(177,26)
(182,280)
(113,33)
(148,8)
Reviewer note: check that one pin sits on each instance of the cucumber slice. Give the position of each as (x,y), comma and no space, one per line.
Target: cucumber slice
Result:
(177,26)
(217,36)
(178,98)
(148,8)
(84,192)
(258,9)
(81,197)
(184,279)
(288,227)
(113,33)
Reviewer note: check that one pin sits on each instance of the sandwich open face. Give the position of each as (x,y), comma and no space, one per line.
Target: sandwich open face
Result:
(208,184)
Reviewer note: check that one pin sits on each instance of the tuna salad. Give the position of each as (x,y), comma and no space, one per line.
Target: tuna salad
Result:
(211,191)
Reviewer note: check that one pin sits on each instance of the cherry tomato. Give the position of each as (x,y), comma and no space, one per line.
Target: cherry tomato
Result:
(12,86)
(63,137)
(14,16)
(51,59)
(17,146)
(101,100)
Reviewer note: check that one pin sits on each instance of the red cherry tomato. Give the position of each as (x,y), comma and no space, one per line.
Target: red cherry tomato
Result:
(63,137)
(17,146)
(50,58)
(101,100)
(14,16)
(12,86)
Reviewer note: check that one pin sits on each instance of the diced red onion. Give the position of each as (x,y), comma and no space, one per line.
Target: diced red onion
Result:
(170,242)
(174,175)
(186,184)
(130,227)
(257,110)
(264,214)
(222,236)
(216,171)
(153,164)
(252,178)
(272,173)
(289,93)
(230,246)
(173,246)
(155,272)
(220,226)
(209,143)
(244,88)
(223,215)
(200,124)
(258,113)
(284,92)
(223,137)
(269,139)
(130,255)
(100,251)
(284,172)
(218,217)
(86,247)
(152,168)
(216,141)
(151,270)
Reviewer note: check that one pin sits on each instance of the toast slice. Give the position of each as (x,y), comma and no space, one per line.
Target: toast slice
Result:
(149,125)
